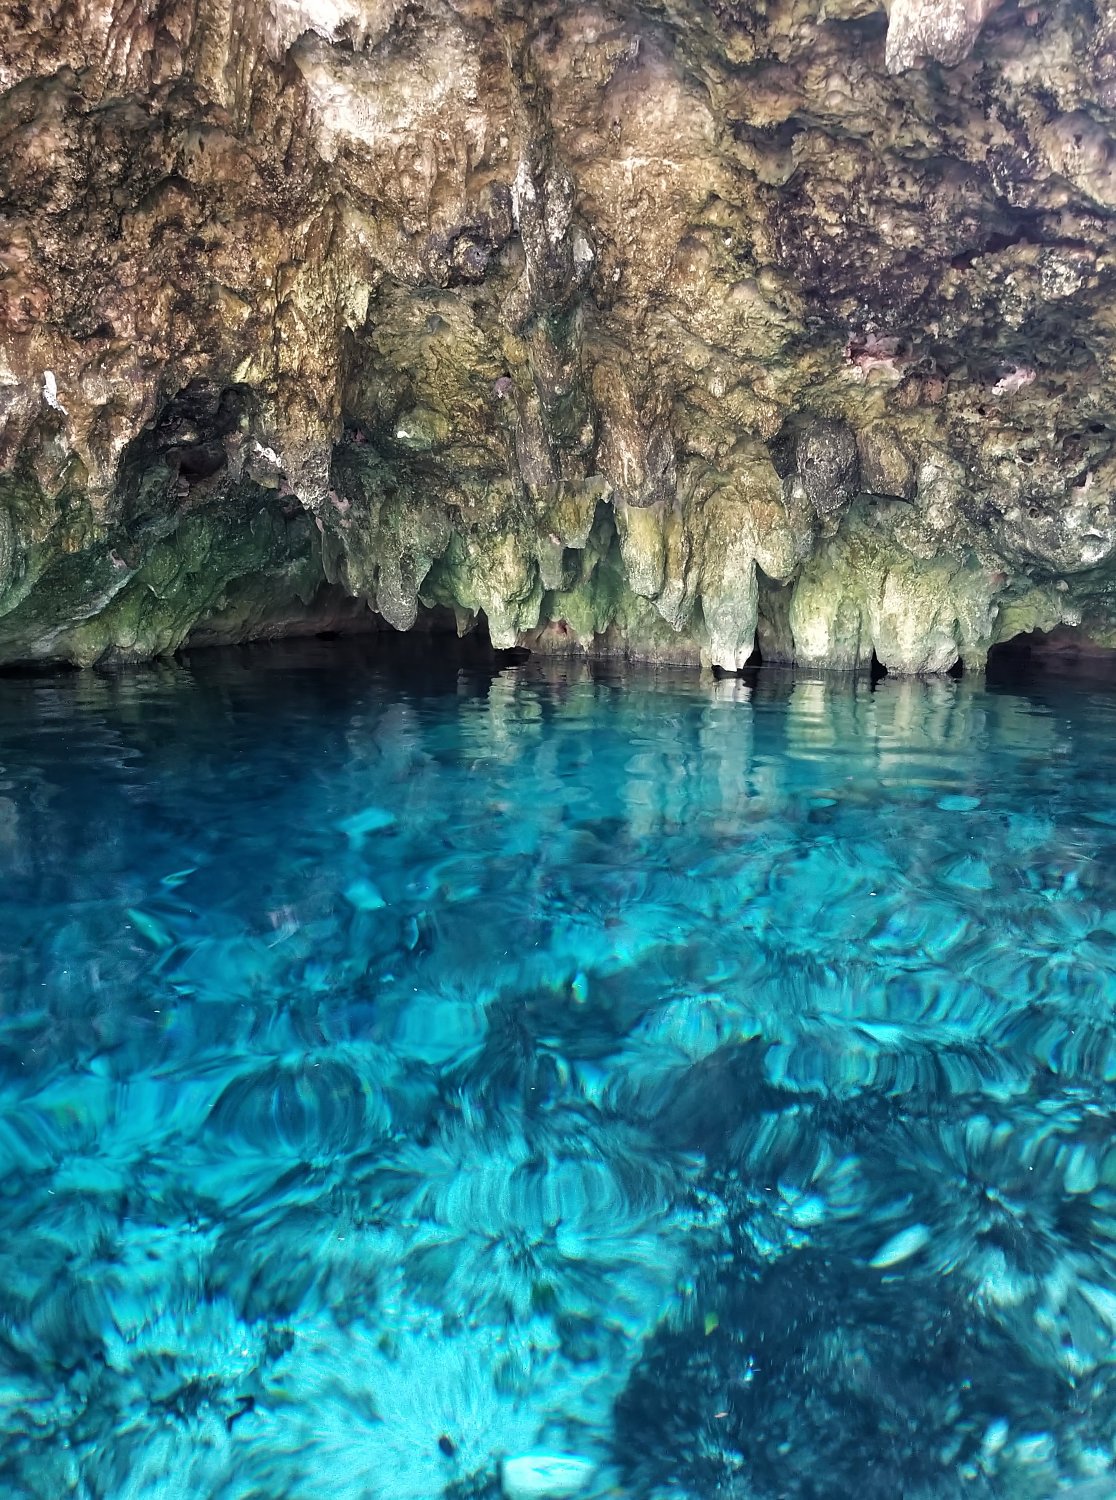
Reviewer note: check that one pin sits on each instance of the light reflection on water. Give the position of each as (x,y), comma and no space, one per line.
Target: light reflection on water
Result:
(408,1068)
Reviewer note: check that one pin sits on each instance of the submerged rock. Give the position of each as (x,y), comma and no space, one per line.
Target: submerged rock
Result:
(648,331)
(545,1476)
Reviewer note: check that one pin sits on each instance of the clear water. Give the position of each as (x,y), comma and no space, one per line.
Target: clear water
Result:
(403,1071)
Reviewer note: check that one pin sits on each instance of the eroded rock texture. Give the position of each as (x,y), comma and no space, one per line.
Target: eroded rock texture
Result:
(632,326)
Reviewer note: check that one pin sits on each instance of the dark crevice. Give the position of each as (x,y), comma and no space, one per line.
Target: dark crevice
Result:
(1027,232)
(47,668)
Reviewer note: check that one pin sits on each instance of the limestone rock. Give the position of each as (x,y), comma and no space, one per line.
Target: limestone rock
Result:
(545,1476)
(942,31)
(7,553)
(638,329)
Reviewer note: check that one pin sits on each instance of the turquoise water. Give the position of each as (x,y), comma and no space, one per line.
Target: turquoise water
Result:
(409,1070)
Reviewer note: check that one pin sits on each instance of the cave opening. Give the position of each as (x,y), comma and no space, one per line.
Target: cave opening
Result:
(1067,650)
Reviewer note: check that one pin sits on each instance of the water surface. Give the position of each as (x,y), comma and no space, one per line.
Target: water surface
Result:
(409,1068)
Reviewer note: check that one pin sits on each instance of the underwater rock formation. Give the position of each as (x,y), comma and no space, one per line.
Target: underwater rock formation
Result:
(639,327)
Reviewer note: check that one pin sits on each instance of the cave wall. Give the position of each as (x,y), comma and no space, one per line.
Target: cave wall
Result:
(632,327)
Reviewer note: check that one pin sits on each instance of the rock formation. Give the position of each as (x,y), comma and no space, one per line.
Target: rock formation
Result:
(640,326)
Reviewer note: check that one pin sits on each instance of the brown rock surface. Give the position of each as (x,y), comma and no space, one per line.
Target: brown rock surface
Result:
(602,322)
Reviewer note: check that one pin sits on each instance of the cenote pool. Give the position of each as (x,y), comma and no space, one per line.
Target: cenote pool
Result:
(427,1080)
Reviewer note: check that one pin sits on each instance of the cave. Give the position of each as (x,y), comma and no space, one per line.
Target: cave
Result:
(557,802)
